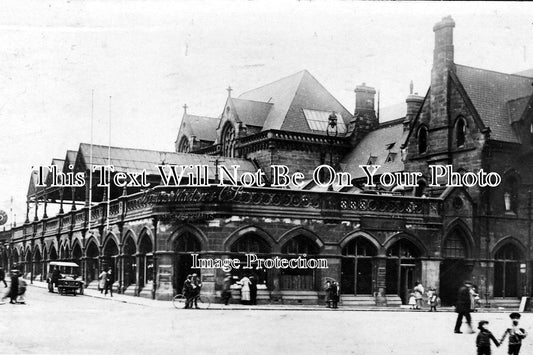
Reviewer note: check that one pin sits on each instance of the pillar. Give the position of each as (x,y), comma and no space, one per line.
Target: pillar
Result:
(379,280)
(163,275)
(430,273)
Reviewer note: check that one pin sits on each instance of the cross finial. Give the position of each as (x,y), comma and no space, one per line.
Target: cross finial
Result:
(411,88)
(185,108)
(229,89)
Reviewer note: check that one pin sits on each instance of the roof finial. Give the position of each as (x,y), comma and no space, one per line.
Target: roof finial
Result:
(411,88)
(185,109)
(229,89)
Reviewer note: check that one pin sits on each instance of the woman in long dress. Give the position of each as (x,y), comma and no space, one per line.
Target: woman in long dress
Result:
(102,278)
(245,290)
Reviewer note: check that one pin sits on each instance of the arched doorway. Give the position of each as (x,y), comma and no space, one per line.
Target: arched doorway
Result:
(130,264)
(454,269)
(110,256)
(402,268)
(52,254)
(76,254)
(356,266)
(37,265)
(146,258)
(507,271)
(250,243)
(92,261)
(299,279)
(184,245)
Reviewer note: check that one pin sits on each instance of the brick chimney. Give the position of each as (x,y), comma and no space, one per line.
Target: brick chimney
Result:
(414,102)
(442,64)
(365,119)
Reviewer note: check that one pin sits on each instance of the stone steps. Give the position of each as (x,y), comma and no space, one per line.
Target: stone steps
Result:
(507,303)
(369,300)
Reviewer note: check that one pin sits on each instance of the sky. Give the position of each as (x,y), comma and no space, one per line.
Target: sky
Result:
(145,59)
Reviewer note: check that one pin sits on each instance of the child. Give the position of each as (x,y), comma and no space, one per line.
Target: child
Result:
(483,339)
(412,300)
(515,335)
(433,300)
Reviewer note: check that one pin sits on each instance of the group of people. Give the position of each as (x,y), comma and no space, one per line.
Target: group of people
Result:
(191,290)
(515,333)
(332,294)
(248,290)
(17,288)
(416,298)
(106,280)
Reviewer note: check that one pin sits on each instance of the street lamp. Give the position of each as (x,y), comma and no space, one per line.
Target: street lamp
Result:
(332,132)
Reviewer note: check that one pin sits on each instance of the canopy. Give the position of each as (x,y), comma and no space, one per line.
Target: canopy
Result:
(63,263)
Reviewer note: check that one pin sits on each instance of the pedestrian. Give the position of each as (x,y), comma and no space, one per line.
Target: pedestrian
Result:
(226,289)
(412,300)
(327,286)
(483,339)
(102,278)
(419,295)
(196,288)
(110,280)
(14,287)
(516,335)
(3,276)
(462,307)
(245,290)
(56,275)
(474,298)
(21,291)
(433,300)
(187,291)
(253,290)
(334,294)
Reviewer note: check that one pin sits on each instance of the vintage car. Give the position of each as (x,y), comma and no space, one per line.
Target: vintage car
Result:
(69,280)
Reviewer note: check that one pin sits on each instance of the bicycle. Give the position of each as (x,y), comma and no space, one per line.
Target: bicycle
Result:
(202,301)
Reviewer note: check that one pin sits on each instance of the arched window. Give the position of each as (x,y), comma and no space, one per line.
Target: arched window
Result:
(184,146)
(455,247)
(228,140)
(187,243)
(300,245)
(359,247)
(422,139)
(510,194)
(357,266)
(250,243)
(507,271)
(460,132)
(298,279)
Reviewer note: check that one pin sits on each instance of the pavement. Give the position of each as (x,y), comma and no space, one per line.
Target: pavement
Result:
(142,301)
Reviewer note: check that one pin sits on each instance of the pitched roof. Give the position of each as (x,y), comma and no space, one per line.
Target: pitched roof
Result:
(202,127)
(378,144)
(289,96)
(252,113)
(136,160)
(489,91)
(517,107)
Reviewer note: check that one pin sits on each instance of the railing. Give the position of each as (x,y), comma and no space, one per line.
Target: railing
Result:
(216,198)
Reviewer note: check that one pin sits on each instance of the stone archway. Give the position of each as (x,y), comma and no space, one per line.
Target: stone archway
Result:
(455,268)
(130,264)
(183,245)
(146,261)
(357,266)
(507,271)
(92,267)
(403,268)
(299,279)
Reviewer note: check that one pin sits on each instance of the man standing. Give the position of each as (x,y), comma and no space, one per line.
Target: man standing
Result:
(14,287)
(110,280)
(462,307)
(3,276)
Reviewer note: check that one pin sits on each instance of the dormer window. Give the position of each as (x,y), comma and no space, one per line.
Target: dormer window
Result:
(460,132)
(390,158)
(422,139)
(372,160)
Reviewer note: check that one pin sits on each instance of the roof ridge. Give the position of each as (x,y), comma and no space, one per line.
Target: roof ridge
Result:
(261,102)
(496,72)
(189,115)
(275,81)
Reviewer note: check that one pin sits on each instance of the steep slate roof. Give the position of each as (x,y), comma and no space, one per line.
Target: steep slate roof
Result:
(136,160)
(289,96)
(202,127)
(252,113)
(490,91)
(375,144)
(516,108)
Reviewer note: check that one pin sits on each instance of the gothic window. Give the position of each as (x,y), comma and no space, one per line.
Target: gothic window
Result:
(250,243)
(455,246)
(510,195)
(187,243)
(228,140)
(422,139)
(359,247)
(460,132)
(184,146)
(300,245)
(403,249)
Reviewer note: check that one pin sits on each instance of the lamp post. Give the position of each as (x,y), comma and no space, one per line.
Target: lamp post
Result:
(332,132)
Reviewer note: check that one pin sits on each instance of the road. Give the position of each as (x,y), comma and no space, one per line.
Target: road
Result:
(53,324)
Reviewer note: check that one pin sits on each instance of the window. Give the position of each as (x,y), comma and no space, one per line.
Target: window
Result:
(184,146)
(372,160)
(510,194)
(300,245)
(389,146)
(228,140)
(455,246)
(187,243)
(359,247)
(460,131)
(422,139)
(250,243)
(390,158)
(402,249)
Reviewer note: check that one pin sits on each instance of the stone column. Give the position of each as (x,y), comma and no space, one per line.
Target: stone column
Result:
(163,275)
(138,271)
(430,273)
(379,280)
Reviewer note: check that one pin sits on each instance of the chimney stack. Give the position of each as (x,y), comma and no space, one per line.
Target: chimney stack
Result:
(443,52)
(414,102)
(364,98)
(365,119)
